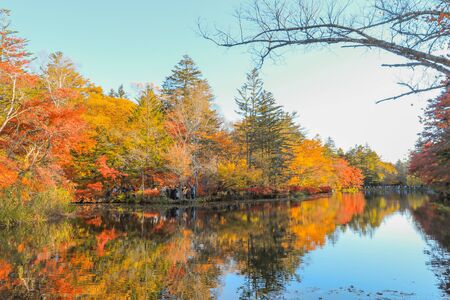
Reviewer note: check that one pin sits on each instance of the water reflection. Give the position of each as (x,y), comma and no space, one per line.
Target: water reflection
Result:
(434,224)
(187,253)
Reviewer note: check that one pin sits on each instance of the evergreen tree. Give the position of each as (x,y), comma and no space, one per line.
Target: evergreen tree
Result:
(121,92)
(269,140)
(249,96)
(112,93)
(402,172)
(330,147)
(266,132)
(291,135)
(367,161)
(184,79)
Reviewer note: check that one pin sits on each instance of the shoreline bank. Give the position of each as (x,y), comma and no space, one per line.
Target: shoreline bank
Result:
(199,202)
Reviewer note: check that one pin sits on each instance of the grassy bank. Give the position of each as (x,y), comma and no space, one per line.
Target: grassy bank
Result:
(18,206)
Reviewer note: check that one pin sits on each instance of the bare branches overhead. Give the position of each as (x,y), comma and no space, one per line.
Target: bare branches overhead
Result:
(417,30)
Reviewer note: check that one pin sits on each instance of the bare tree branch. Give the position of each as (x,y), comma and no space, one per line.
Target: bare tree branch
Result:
(413,91)
(417,30)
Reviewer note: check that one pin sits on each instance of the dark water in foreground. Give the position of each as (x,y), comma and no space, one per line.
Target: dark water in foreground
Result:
(347,246)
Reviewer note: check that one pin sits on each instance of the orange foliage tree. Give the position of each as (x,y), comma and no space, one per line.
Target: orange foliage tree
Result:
(310,166)
(347,177)
(314,166)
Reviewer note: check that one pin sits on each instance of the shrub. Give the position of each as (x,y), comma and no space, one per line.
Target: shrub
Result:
(259,192)
(148,194)
(295,189)
(151,193)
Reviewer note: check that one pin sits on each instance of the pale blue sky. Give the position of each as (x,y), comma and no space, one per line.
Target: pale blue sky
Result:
(115,41)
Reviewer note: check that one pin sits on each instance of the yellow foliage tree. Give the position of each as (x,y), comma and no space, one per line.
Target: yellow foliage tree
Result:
(310,166)
(237,175)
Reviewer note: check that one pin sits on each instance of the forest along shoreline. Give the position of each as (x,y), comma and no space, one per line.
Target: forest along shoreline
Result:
(65,140)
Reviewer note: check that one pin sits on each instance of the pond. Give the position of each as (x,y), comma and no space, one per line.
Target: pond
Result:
(346,246)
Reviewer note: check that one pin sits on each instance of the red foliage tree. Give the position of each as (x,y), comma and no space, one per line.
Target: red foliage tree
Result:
(36,137)
(430,161)
(42,138)
(106,171)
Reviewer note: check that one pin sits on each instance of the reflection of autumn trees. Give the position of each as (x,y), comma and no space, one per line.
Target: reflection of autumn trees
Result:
(5,270)
(89,259)
(434,222)
(314,220)
(266,241)
(33,259)
(181,253)
(379,207)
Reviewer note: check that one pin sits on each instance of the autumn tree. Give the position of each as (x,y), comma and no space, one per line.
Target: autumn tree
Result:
(37,135)
(149,136)
(346,176)
(108,128)
(310,166)
(179,159)
(369,162)
(62,79)
(59,131)
(191,120)
(15,89)
(430,160)
(313,165)
(237,175)
(15,80)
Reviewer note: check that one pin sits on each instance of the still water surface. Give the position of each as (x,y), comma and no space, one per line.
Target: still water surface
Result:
(348,246)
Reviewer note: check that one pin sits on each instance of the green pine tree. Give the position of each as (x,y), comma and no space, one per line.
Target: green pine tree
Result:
(249,96)
(184,79)
(266,131)
(121,92)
